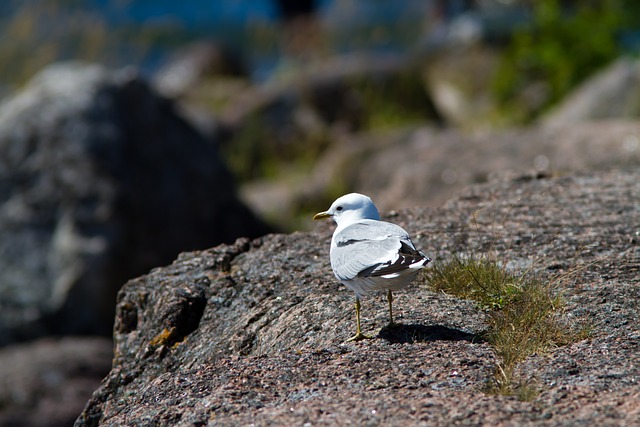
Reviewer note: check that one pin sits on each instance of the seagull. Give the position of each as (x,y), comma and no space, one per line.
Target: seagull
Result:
(369,255)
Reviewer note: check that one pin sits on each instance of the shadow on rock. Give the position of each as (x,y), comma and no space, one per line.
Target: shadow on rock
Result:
(400,333)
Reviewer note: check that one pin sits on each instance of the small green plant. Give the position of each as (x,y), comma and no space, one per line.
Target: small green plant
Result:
(523,314)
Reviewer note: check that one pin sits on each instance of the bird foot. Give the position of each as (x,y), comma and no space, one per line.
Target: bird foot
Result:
(392,325)
(359,337)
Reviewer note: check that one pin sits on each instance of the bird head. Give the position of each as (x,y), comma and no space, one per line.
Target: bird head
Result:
(350,208)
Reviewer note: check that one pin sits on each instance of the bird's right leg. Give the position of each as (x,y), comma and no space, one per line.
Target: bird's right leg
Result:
(390,301)
(359,335)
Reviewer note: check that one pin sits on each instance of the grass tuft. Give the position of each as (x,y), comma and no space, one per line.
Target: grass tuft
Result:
(477,279)
(524,314)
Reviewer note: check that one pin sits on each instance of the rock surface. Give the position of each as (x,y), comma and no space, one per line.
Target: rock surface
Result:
(100,180)
(253,332)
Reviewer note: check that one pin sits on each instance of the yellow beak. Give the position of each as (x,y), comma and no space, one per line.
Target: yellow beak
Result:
(321,215)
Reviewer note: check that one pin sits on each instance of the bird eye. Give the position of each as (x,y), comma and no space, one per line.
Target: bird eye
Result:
(339,208)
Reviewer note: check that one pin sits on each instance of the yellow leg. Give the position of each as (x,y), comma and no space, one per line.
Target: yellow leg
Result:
(390,299)
(359,335)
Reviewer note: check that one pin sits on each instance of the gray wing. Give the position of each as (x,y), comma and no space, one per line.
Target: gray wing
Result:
(372,248)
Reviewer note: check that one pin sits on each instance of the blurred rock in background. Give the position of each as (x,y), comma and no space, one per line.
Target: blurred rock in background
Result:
(101,181)
(45,382)
(612,93)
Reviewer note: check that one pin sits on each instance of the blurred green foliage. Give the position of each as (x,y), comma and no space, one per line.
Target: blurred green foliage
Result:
(261,150)
(397,101)
(256,152)
(557,50)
